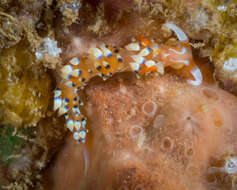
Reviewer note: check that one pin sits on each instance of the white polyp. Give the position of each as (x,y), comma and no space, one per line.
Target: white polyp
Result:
(230,64)
(67,69)
(49,47)
(183,51)
(222,8)
(76,136)
(138,59)
(133,46)
(77,125)
(178,31)
(75,61)
(57,93)
(106,51)
(135,66)
(70,125)
(57,103)
(146,51)
(197,75)
(150,63)
(231,165)
(152,113)
(132,132)
(97,53)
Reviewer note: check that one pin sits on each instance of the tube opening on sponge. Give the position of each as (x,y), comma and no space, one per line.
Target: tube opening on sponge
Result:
(167,144)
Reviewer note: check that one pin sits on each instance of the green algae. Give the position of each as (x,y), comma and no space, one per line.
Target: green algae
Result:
(11,142)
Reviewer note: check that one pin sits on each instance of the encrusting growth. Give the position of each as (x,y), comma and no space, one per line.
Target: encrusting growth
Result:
(143,56)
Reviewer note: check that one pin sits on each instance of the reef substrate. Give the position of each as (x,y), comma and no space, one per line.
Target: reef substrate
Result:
(38,37)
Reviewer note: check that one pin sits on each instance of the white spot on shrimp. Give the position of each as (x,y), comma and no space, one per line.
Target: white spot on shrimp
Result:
(75,61)
(150,63)
(57,92)
(106,51)
(67,69)
(138,59)
(63,110)
(76,73)
(77,125)
(70,125)
(76,136)
(146,51)
(135,66)
(97,53)
(57,103)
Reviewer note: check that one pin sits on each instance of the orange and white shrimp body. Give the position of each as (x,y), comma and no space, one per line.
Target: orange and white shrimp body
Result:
(142,56)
